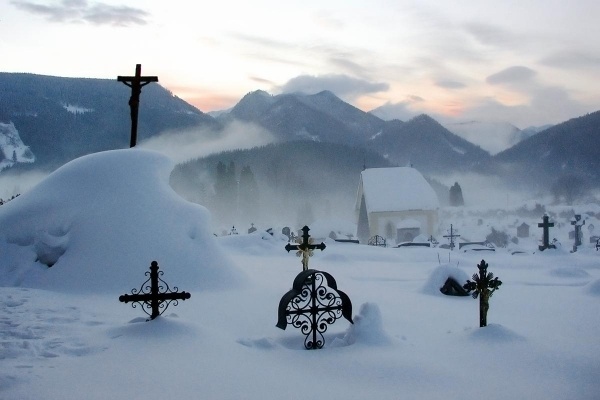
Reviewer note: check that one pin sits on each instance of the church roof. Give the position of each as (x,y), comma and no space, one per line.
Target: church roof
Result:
(396,189)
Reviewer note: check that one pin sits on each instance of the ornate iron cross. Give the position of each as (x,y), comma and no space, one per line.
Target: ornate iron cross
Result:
(484,286)
(135,83)
(149,295)
(305,247)
(313,302)
(577,223)
(546,235)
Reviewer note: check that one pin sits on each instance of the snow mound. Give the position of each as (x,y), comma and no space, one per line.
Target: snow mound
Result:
(570,272)
(495,333)
(96,224)
(594,288)
(157,329)
(367,329)
(439,275)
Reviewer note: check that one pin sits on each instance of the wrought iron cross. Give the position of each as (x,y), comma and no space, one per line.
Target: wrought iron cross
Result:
(484,286)
(313,302)
(150,296)
(546,235)
(135,83)
(452,235)
(305,247)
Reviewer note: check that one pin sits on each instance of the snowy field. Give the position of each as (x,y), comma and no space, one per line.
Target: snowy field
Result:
(100,221)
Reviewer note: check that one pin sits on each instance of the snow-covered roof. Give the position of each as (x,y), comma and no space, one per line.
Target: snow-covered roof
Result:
(396,189)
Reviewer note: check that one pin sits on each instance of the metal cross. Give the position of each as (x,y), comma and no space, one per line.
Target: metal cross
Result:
(452,235)
(577,223)
(149,295)
(481,287)
(305,247)
(546,238)
(135,83)
(313,302)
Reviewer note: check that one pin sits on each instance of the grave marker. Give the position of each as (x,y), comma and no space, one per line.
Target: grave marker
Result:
(577,223)
(483,285)
(305,247)
(451,237)
(149,295)
(136,83)
(545,225)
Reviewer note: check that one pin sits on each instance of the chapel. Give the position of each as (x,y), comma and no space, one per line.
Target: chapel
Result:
(396,203)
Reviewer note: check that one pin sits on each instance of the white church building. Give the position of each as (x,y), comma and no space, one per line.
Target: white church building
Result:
(395,203)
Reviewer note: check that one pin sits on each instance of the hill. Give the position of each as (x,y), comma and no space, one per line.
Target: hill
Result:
(60,119)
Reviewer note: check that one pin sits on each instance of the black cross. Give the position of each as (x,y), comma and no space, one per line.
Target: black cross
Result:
(452,235)
(481,286)
(546,238)
(154,299)
(313,302)
(305,247)
(135,83)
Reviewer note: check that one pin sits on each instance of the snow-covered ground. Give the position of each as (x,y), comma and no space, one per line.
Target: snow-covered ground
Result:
(100,221)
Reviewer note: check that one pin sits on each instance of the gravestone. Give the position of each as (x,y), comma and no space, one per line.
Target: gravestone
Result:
(577,223)
(523,230)
(233,231)
(252,229)
(377,241)
(483,286)
(545,225)
(149,296)
(453,288)
(286,231)
(135,83)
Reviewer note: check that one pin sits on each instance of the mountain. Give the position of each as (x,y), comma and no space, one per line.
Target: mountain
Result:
(60,119)
(320,117)
(571,148)
(427,145)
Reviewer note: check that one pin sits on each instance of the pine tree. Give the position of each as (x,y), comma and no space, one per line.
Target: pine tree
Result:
(456,197)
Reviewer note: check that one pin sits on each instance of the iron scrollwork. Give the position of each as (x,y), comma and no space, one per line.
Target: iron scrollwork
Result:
(312,304)
(154,294)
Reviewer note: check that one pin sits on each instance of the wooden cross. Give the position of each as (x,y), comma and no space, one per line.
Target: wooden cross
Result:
(546,237)
(452,235)
(155,299)
(136,83)
(305,247)
(484,286)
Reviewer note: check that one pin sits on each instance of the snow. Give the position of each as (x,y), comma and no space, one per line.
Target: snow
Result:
(65,335)
(75,109)
(396,189)
(12,147)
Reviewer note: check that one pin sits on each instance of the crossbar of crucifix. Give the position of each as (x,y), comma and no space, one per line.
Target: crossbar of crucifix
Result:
(154,299)
(135,83)
(305,247)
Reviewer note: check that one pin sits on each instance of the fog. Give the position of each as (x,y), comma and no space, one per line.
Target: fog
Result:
(184,145)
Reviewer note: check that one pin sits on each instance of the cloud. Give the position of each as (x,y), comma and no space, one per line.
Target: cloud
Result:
(572,59)
(343,86)
(447,84)
(516,74)
(78,11)
(490,35)
(401,110)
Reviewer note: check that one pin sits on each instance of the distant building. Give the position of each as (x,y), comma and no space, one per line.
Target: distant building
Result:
(523,230)
(396,203)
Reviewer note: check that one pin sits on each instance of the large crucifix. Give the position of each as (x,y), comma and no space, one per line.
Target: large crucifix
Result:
(136,83)
(305,247)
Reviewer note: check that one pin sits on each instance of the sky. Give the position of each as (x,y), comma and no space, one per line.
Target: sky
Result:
(527,62)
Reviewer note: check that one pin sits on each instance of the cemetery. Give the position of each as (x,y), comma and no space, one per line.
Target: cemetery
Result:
(389,327)
(387,310)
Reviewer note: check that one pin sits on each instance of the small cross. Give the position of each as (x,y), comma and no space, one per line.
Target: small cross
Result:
(155,298)
(305,247)
(135,83)
(546,238)
(452,235)
(483,285)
